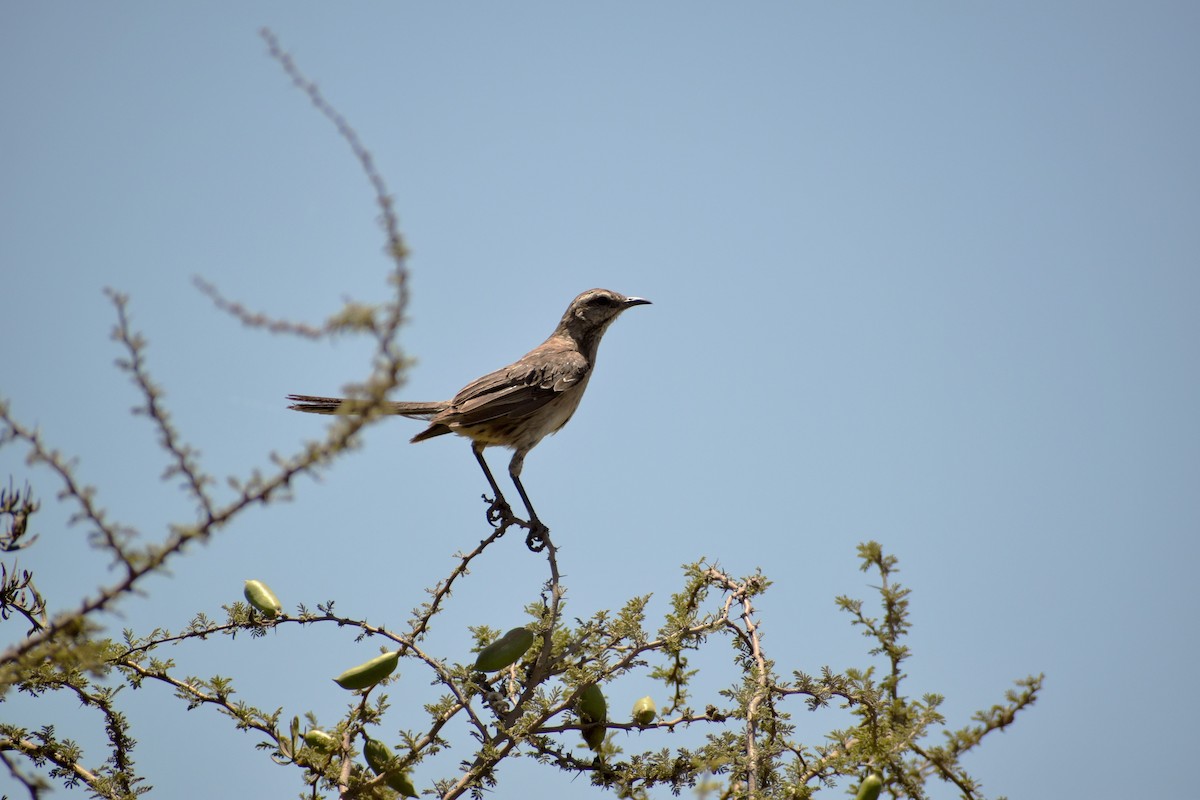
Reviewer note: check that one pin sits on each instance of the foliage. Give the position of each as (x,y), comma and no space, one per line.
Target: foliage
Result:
(538,708)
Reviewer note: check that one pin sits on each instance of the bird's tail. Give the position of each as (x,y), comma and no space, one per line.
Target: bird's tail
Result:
(340,405)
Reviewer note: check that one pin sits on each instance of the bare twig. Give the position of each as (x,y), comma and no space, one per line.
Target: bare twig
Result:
(184,456)
(256,319)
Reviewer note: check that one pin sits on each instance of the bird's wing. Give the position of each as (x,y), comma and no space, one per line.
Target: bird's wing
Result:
(517,391)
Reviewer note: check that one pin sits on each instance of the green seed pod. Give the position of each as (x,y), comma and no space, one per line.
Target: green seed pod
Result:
(592,706)
(505,650)
(372,672)
(378,755)
(594,736)
(870,788)
(318,739)
(644,711)
(259,595)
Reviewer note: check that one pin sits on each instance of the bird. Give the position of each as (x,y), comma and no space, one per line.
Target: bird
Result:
(516,406)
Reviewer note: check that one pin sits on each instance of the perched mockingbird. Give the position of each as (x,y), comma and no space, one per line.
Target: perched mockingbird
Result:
(518,405)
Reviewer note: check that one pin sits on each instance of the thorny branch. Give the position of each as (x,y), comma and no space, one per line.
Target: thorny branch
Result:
(183,455)
(748,635)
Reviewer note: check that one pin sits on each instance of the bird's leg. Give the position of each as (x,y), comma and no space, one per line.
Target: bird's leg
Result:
(499,508)
(538,532)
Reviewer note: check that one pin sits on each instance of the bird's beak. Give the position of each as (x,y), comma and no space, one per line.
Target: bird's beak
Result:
(636,301)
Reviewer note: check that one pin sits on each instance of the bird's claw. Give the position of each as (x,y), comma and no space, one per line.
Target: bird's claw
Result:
(538,536)
(498,511)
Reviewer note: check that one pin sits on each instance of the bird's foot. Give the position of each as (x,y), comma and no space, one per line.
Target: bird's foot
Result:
(498,511)
(538,536)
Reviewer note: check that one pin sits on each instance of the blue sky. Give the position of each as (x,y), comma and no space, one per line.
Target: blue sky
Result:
(925,274)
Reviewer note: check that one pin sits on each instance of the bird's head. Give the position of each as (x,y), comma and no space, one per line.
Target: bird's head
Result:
(596,308)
